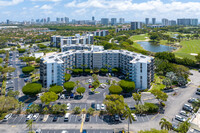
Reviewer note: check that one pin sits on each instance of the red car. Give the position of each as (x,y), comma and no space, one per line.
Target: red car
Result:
(90,86)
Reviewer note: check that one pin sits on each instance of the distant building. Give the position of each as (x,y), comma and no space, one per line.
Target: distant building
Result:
(136,25)
(156,26)
(62,20)
(100,33)
(146,21)
(7,21)
(73,21)
(121,20)
(104,21)
(122,29)
(172,22)
(187,22)
(153,21)
(66,20)
(165,22)
(58,20)
(93,19)
(48,20)
(113,21)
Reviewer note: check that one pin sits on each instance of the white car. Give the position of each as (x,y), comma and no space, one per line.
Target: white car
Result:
(89,80)
(135,117)
(62,96)
(102,106)
(182,112)
(68,106)
(8,116)
(98,107)
(35,116)
(29,117)
(179,118)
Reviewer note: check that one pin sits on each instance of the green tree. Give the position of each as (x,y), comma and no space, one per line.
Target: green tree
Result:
(29,124)
(49,97)
(137,97)
(165,124)
(1,60)
(77,110)
(184,126)
(141,109)
(56,89)
(8,70)
(90,111)
(34,108)
(69,86)
(104,70)
(127,86)
(32,89)
(115,70)
(67,77)
(114,104)
(154,36)
(7,104)
(115,89)
(167,82)
(12,93)
(198,58)
(80,90)
(128,115)
(21,50)
(160,95)
(28,69)
(96,84)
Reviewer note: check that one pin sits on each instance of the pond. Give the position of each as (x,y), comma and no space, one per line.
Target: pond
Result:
(150,46)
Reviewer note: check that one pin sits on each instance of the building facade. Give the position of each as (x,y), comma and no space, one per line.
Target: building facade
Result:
(121,20)
(187,22)
(153,21)
(146,21)
(136,25)
(113,21)
(137,67)
(165,22)
(104,21)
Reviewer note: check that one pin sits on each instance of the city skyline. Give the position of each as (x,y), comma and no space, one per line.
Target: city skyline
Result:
(136,10)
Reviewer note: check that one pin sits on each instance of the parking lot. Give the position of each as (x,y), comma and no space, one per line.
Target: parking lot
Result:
(77,131)
(75,119)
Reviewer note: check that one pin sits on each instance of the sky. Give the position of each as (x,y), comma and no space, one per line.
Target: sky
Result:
(131,10)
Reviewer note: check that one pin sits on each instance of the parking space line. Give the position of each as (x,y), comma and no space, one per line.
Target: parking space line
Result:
(96,118)
(142,118)
(75,118)
(19,120)
(147,117)
(14,119)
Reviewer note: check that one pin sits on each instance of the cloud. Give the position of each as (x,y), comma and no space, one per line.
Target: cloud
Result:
(47,0)
(129,5)
(10,3)
(46,7)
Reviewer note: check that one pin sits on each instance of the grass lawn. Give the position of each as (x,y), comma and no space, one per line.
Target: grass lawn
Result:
(157,84)
(138,37)
(191,46)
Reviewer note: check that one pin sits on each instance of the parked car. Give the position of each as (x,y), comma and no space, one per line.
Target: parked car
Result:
(90,86)
(35,116)
(84,131)
(68,106)
(179,118)
(187,107)
(198,89)
(72,95)
(55,118)
(135,117)
(8,116)
(93,105)
(122,117)
(29,117)
(62,96)
(102,106)
(116,117)
(198,92)
(89,80)
(183,113)
(66,118)
(87,117)
(192,100)
(38,131)
(98,107)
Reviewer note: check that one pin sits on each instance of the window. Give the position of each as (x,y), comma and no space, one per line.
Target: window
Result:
(141,67)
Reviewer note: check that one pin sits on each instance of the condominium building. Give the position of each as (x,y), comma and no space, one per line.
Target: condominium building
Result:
(146,21)
(59,41)
(137,67)
(99,33)
(121,20)
(153,21)
(136,25)
(113,21)
(172,22)
(122,29)
(104,21)
(187,22)
(165,22)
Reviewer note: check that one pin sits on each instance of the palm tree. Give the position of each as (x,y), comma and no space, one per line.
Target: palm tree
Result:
(128,115)
(45,110)
(34,108)
(29,125)
(21,105)
(165,124)
(137,97)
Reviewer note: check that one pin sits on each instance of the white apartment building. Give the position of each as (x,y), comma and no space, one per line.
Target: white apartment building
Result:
(137,67)
(59,41)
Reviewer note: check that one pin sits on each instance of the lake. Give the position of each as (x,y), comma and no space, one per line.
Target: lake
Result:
(149,46)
